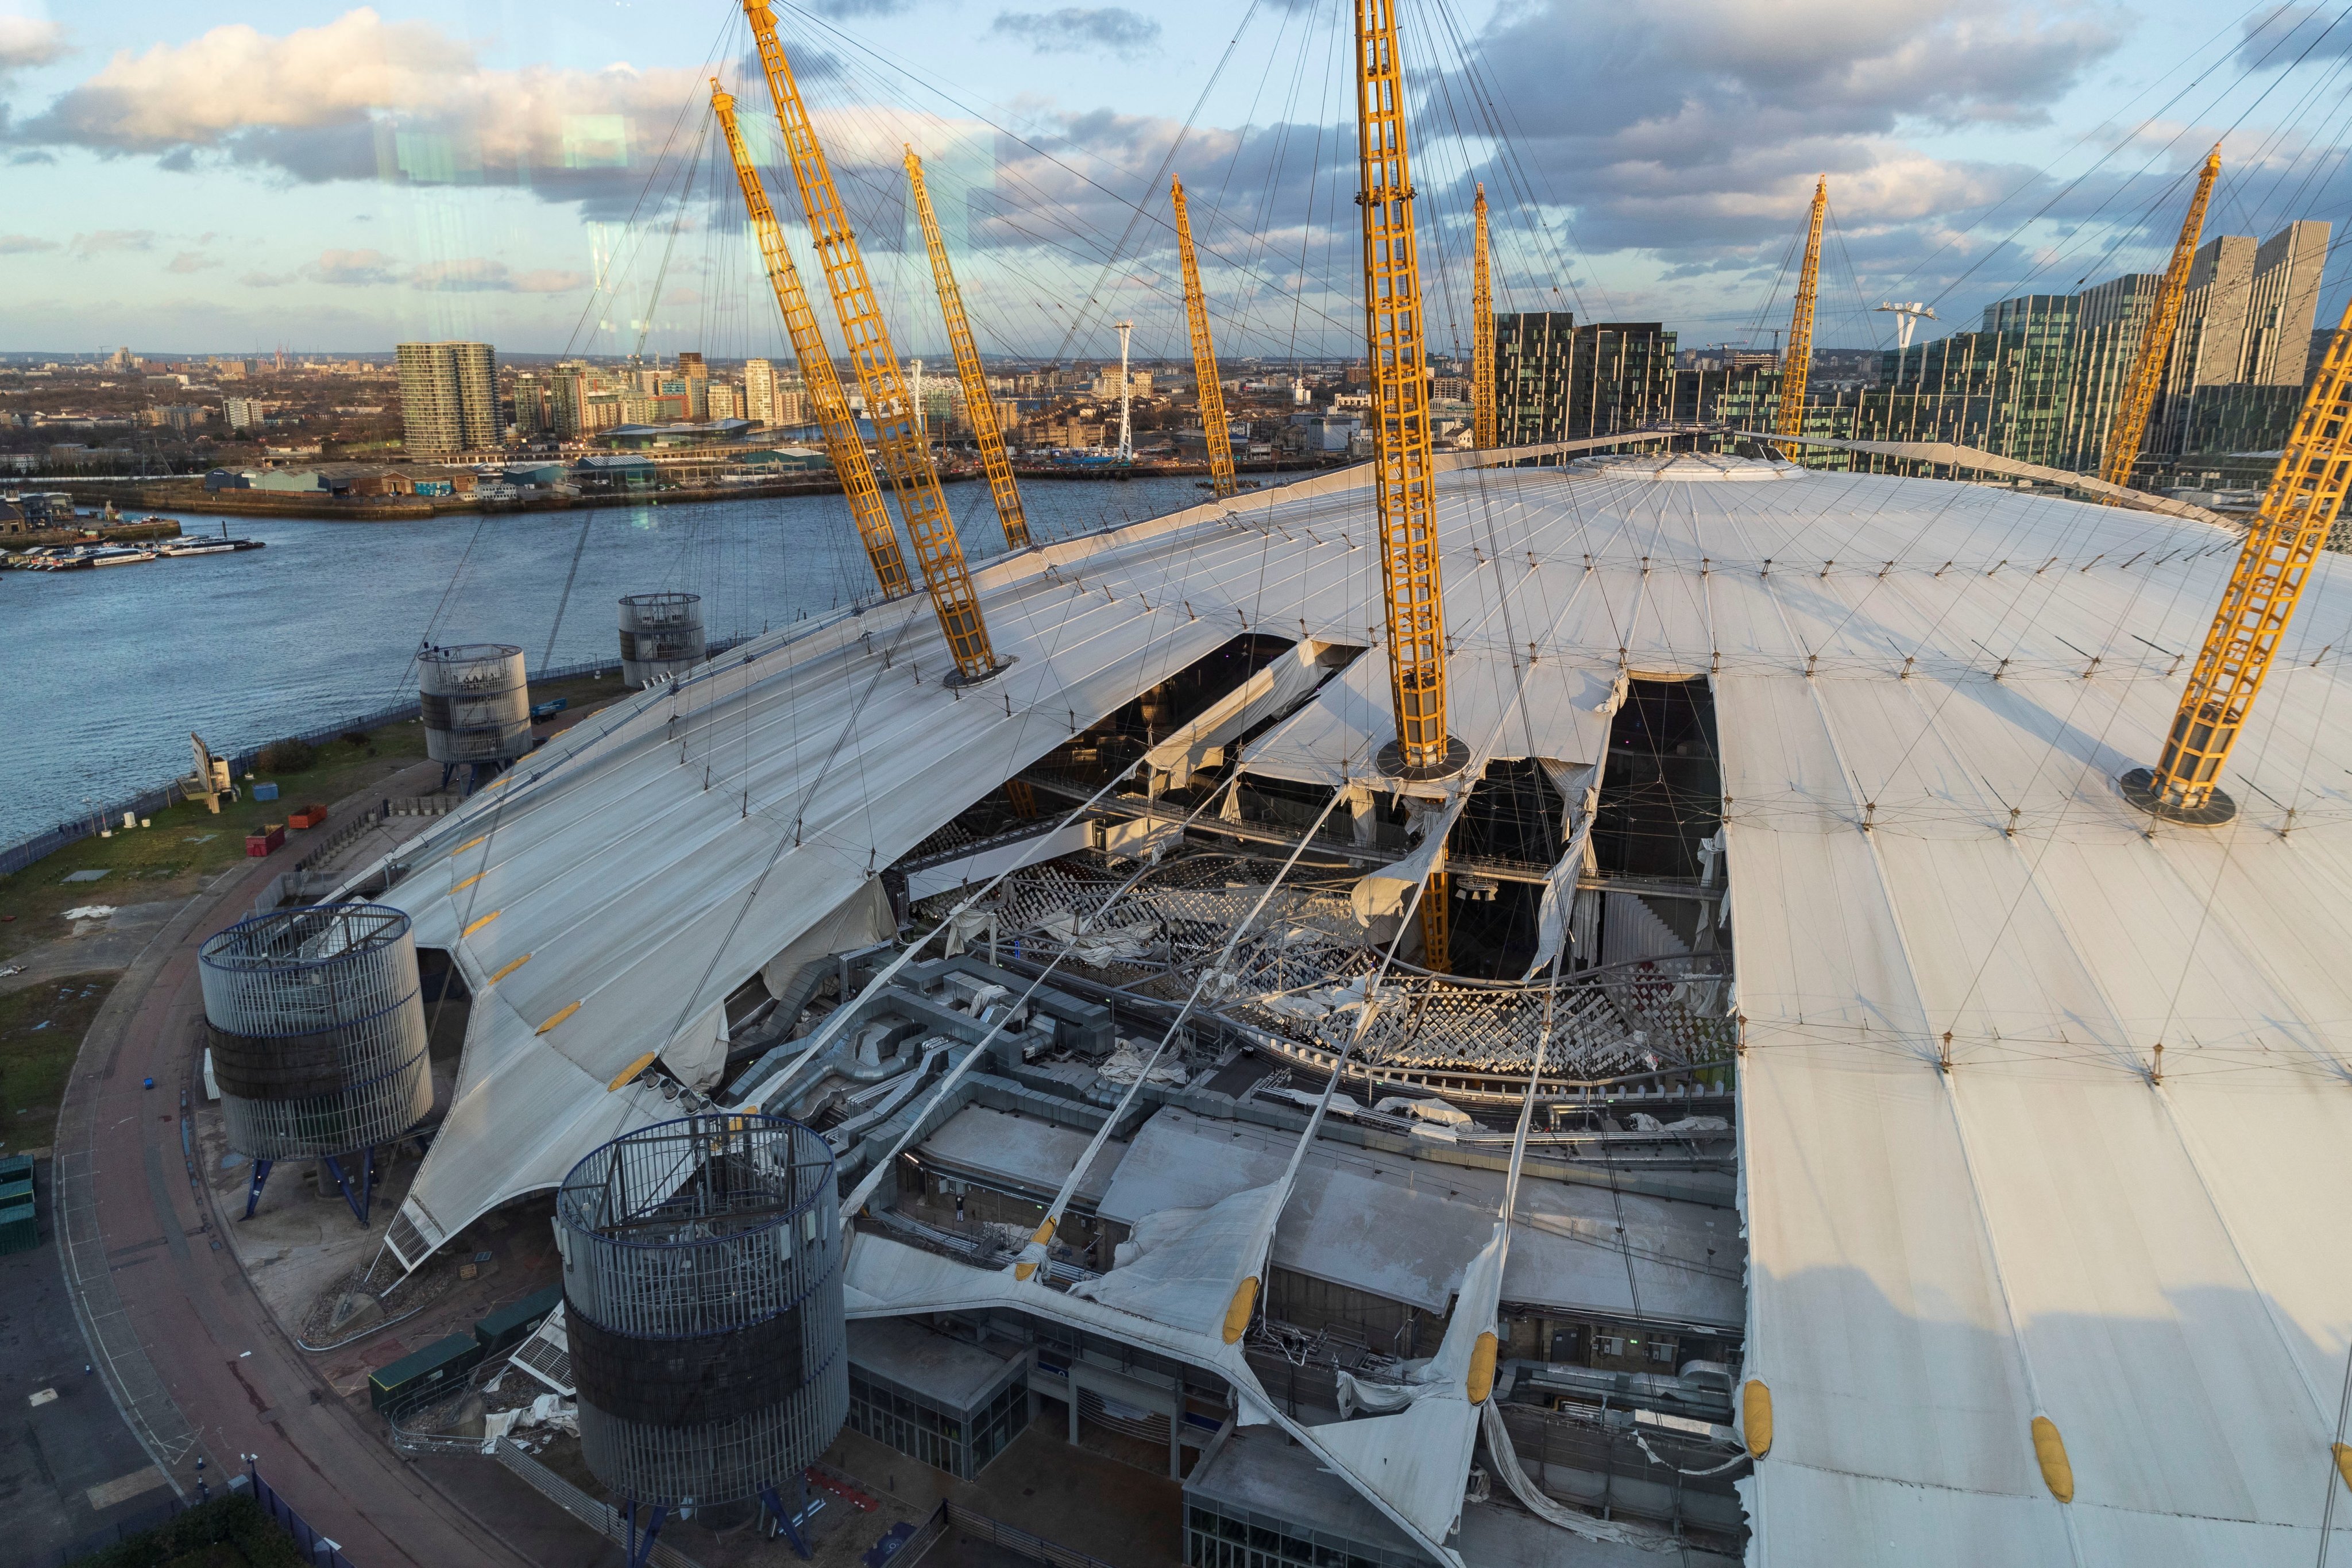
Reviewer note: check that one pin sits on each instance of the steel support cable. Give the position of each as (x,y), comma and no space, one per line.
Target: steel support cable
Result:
(1036,1253)
(2170,143)
(2226,30)
(1158,177)
(1503,129)
(597,290)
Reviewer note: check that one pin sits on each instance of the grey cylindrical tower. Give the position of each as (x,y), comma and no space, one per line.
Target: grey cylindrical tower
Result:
(477,706)
(317,1026)
(702,1300)
(661,636)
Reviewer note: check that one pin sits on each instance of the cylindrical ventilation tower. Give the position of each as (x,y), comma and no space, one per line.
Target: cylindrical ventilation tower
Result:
(661,636)
(317,1028)
(702,1300)
(477,707)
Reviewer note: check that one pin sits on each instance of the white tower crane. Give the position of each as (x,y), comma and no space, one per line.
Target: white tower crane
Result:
(1906,321)
(1126,432)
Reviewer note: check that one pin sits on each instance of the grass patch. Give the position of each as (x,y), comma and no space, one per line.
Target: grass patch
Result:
(41,1028)
(188,844)
(229,1531)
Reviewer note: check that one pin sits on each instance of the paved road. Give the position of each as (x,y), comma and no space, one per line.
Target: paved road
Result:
(239,1383)
(70,1468)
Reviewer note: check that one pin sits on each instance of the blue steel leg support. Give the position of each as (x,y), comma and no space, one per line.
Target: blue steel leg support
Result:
(788,1519)
(358,1200)
(253,1191)
(641,1543)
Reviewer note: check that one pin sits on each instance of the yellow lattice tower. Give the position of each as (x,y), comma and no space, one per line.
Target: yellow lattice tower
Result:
(841,442)
(1797,366)
(1204,354)
(2306,491)
(938,554)
(1403,472)
(2129,425)
(979,408)
(1484,425)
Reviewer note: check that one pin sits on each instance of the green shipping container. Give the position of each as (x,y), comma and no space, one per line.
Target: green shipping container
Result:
(19,1191)
(16,1168)
(420,1376)
(20,1229)
(510,1325)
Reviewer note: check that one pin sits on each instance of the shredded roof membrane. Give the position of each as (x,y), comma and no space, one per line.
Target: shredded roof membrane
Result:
(1974,1192)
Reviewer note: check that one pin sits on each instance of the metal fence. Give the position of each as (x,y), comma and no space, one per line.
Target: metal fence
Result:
(25,852)
(320,1551)
(1036,1548)
(316,1549)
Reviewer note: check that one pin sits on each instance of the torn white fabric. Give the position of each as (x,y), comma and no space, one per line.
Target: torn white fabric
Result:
(858,921)
(1128,1061)
(1099,945)
(1385,892)
(1423,1110)
(1580,787)
(1275,690)
(1186,1264)
(697,1055)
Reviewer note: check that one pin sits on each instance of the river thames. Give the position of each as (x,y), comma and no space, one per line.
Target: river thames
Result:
(111,668)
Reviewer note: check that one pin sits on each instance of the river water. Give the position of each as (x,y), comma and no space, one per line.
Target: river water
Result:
(109,669)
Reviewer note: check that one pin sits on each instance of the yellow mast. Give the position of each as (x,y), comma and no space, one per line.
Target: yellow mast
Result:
(1204,356)
(1799,364)
(1482,422)
(2129,426)
(938,554)
(2306,493)
(1404,477)
(979,408)
(841,442)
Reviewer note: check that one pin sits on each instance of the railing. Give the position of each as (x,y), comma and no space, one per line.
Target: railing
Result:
(1037,1548)
(601,1516)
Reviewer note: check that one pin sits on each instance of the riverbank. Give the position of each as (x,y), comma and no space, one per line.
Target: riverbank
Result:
(187,493)
(321,628)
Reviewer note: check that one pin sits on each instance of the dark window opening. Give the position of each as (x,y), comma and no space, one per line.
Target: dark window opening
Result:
(447,1003)
(1510,830)
(1662,791)
(1110,745)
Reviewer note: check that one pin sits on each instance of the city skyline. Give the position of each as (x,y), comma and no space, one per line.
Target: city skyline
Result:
(423,173)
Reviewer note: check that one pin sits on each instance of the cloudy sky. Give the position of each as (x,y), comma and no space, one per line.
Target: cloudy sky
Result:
(242,175)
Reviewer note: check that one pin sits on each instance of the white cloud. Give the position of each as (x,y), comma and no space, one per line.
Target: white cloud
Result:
(101,241)
(349,268)
(1080,29)
(479,275)
(190,261)
(27,41)
(24,243)
(363,97)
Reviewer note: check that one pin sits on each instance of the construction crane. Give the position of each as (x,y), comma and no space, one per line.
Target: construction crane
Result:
(2129,424)
(1222,482)
(938,554)
(979,408)
(2299,511)
(1799,364)
(1482,423)
(1403,474)
(841,442)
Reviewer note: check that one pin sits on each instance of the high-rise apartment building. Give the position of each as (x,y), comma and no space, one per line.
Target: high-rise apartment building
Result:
(759,392)
(724,400)
(2040,378)
(448,397)
(1555,380)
